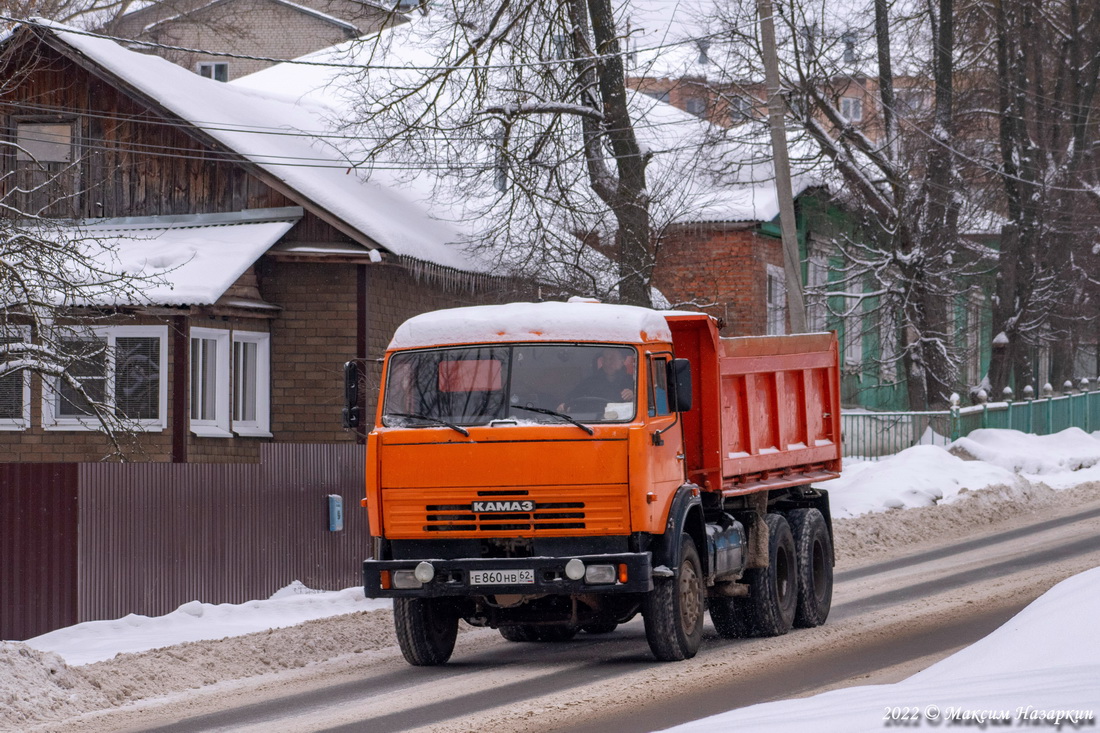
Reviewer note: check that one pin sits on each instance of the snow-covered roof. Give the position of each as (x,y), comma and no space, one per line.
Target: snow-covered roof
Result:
(304,9)
(551,321)
(284,137)
(682,183)
(180,260)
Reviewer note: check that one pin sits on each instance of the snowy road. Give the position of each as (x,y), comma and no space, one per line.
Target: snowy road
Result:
(895,612)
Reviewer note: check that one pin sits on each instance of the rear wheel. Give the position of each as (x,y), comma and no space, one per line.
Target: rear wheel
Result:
(814,551)
(426,630)
(673,610)
(773,591)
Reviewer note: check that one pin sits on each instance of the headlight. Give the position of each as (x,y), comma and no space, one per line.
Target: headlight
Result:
(574,569)
(599,574)
(425,572)
(405,579)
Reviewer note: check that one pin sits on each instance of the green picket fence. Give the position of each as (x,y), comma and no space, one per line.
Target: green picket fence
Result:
(874,435)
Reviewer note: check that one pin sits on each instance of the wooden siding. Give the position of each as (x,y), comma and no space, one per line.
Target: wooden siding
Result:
(133,161)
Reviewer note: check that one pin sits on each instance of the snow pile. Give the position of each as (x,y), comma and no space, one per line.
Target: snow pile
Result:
(1042,662)
(94,641)
(919,476)
(1069,450)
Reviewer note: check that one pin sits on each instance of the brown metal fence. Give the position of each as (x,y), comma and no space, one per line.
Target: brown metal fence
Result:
(93,540)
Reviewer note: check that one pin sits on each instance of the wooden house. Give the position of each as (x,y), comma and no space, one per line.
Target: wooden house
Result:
(272,262)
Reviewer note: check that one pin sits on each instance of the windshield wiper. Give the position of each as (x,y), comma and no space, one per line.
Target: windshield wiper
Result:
(555,413)
(434,420)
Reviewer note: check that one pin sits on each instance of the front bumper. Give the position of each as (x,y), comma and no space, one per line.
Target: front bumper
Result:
(452,577)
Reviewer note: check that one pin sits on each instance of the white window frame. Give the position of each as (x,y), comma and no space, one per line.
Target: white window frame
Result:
(218,426)
(50,392)
(23,333)
(851,109)
(776,323)
(817,280)
(854,309)
(212,67)
(261,426)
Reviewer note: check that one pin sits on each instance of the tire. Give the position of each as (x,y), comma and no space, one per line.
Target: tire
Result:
(524,632)
(600,627)
(673,610)
(814,553)
(773,591)
(426,630)
(730,616)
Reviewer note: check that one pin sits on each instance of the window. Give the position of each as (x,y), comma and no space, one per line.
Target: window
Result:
(121,367)
(658,386)
(973,338)
(851,109)
(913,101)
(852,346)
(46,177)
(696,106)
(817,272)
(704,51)
(659,96)
(210,383)
(777,301)
(251,383)
(216,70)
(740,108)
(15,387)
(848,39)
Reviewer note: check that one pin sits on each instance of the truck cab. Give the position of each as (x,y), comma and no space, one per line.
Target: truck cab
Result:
(528,471)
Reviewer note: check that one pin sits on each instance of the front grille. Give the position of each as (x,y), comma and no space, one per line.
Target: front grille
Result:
(523,511)
(460,517)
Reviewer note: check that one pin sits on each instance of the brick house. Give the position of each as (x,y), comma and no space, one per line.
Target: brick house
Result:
(258,28)
(269,275)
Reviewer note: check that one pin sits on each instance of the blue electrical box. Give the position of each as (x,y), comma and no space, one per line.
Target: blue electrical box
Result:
(335,512)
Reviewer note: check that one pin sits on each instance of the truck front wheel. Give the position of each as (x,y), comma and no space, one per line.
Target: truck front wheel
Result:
(674,609)
(426,630)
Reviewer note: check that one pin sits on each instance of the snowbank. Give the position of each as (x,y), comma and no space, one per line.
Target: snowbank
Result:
(1069,450)
(94,641)
(1043,662)
(919,476)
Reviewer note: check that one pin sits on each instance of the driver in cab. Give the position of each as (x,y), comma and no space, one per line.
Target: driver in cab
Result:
(611,381)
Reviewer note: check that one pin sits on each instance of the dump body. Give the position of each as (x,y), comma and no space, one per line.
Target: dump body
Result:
(769,408)
(558,465)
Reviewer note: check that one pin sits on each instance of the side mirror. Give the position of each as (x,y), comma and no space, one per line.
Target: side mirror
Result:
(351,395)
(679,385)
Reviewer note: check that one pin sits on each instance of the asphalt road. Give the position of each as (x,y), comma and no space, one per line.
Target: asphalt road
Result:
(889,619)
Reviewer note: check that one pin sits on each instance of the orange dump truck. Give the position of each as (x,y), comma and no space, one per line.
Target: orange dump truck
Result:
(554,468)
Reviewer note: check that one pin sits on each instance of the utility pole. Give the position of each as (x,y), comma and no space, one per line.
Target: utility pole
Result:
(792,265)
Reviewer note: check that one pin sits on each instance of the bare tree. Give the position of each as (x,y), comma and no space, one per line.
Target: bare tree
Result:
(524,104)
(57,284)
(1046,57)
(888,136)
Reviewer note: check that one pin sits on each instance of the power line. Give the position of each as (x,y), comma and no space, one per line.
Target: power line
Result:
(37,23)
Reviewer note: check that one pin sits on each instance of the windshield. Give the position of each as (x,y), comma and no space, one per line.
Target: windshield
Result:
(546,383)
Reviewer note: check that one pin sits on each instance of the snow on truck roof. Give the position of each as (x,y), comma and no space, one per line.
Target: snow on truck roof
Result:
(551,321)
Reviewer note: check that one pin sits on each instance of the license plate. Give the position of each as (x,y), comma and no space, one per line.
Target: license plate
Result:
(502,577)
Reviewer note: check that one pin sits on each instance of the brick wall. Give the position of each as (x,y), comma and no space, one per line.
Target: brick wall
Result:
(253,28)
(720,269)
